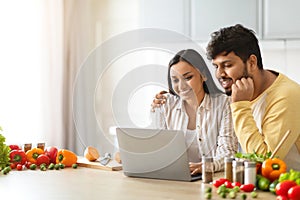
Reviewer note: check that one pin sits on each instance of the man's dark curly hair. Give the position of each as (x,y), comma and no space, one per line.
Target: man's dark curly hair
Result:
(237,39)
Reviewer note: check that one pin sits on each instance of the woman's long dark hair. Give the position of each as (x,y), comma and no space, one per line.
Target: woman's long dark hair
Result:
(195,59)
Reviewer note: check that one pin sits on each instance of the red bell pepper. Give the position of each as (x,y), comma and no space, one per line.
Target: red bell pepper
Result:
(14,147)
(51,152)
(17,157)
(219,182)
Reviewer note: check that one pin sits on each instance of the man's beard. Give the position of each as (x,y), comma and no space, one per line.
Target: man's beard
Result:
(244,75)
(228,92)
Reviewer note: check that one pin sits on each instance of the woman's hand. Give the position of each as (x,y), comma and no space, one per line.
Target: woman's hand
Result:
(158,100)
(195,168)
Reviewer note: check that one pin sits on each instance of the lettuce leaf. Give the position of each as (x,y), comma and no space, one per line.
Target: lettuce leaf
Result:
(4,152)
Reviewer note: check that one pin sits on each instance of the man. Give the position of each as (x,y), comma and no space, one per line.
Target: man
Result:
(265,103)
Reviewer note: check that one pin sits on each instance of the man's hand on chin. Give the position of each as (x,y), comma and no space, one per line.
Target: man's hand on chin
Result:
(242,90)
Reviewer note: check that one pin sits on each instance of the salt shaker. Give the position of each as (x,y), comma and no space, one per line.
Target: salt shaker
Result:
(238,171)
(207,169)
(250,172)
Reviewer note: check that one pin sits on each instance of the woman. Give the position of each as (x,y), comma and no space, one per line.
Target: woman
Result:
(195,105)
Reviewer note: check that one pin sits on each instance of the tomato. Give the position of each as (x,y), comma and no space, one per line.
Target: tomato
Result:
(294,193)
(258,167)
(228,184)
(283,187)
(42,159)
(247,187)
(19,167)
(280,197)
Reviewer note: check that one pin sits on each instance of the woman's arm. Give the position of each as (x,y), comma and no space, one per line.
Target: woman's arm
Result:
(227,142)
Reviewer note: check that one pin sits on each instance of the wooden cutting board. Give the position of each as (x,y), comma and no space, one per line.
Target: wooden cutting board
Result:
(111,166)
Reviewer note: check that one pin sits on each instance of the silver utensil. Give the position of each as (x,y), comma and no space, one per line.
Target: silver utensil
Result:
(105,160)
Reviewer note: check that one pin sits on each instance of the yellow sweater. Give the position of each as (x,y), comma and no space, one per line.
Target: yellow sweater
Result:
(261,123)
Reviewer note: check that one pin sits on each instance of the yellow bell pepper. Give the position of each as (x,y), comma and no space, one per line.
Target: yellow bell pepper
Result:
(66,157)
(33,154)
(272,168)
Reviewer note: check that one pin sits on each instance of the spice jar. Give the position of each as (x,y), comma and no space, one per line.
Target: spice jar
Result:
(41,145)
(207,169)
(27,147)
(238,171)
(228,168)
(250,172)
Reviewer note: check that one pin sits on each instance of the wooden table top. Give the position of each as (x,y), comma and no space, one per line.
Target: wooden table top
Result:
(86,183)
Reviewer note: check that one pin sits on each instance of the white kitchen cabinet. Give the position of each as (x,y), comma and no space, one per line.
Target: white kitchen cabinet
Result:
(281,19)
(292,58)
(211,15)
(172,15)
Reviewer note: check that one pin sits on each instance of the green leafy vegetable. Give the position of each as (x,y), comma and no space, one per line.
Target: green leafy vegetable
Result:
(4,152)
(255,157)
(292,175)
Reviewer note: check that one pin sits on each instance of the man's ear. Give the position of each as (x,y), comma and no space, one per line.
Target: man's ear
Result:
(252,63)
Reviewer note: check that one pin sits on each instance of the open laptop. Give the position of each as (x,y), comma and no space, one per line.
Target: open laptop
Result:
(151,153)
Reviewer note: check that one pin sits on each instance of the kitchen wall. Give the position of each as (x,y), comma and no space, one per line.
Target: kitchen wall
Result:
(125,89)
(283,56)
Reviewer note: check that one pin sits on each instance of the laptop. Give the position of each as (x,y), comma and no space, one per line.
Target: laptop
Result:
(152,153)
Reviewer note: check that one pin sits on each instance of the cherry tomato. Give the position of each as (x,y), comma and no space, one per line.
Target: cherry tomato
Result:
(12,165)
(236,184)
(27,165)
(247,187)
(228,184)
(294,193)
(283,187)
(19,167)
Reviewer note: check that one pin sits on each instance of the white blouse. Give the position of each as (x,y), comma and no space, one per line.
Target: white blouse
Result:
(214,135)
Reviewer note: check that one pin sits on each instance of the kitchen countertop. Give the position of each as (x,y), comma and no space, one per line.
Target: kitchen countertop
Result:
(86,183)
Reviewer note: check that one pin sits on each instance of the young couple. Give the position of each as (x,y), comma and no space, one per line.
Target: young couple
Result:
(262,107)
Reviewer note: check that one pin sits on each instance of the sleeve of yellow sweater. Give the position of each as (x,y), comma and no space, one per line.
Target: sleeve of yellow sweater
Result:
(281,114)
(245,128)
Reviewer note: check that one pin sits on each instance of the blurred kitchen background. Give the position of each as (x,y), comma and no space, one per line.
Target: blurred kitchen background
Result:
(46,43)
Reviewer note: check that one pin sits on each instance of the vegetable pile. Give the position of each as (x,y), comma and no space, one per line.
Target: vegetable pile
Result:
(272,176)
(227,189)
(275,178)
(51,158)
(13,157)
